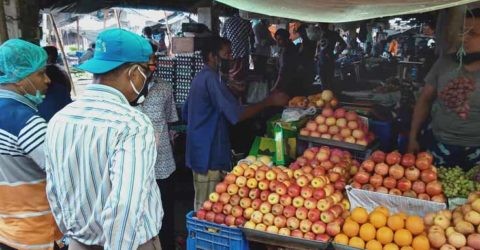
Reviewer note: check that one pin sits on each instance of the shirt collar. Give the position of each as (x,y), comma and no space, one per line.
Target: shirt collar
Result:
(17,97)
(104,92)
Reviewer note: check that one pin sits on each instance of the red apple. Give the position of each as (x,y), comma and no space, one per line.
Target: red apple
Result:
(439,198)
(293,223)
(368,187)
(313,215)
(329,189)
(427,156)
(284,231)
(396,171)
(428,176)
(302,181)
(232,189)
(382,190)
(339,185)
(297,234)
(277,209)
(327,216)
(306,192)
(268,219)
(227,209)
(410,193)
(419,187)
(235,200)
(408,160)
(434,188)
(336,210)
(319,193)
(285,200)
(318,171)
(237,211)
(320,119)
(265,207)
(249,173)
(272,186)
(210,216)
(395,191)
(221,187)
(393,158)
(319,227)
(353,125)
(362,177)
(333,176)
(351,116)
(252,183)
(243,192)
(230,178)
(200,214)
(412,173)
(207,205)
(230,220)
(260,175)
(404,185)
(422,163)
(245,202)
(389,182)
(294,190)
(264,195)
(305,225)
(240,221)
(376,180)
(217,207)
(263,185)
(356,185)
(241,181)
(327,112)
(333,228)
(368,165)
(381,169)
(289,211)
(254,194)
(378,156)
(219,219)
(322,237)
(301,213)
(311,126)
(309,236)
(280,221)
(424,196)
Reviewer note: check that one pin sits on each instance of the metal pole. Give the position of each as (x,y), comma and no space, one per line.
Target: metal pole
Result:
(169,35)
(3,24)
(78,34)
(59,40)
(117,17)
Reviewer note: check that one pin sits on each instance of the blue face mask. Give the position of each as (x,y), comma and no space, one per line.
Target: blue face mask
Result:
(36,99)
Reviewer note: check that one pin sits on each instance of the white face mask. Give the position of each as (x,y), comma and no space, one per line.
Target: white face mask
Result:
(143,92)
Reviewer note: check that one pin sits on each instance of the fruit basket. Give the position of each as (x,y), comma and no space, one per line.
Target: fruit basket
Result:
(283,241)
(369,200)
(343,247)
(207,235)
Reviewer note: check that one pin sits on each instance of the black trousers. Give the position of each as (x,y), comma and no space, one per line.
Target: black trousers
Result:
(167,233)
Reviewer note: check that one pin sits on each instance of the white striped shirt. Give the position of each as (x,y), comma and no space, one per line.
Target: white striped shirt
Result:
(100,171)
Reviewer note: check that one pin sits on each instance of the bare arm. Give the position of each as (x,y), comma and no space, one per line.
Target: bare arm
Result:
(420,115)
(275,99)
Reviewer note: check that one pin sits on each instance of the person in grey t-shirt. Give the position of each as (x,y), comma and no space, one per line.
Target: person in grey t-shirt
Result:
(456,137)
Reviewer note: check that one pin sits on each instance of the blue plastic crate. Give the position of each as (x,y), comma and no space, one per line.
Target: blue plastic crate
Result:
(382,131)
(206,235)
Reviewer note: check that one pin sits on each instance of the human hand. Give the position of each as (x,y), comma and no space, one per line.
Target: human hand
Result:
(413,146)
(277,98)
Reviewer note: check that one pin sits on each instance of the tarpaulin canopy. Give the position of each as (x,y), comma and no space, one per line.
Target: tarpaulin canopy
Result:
(339,11)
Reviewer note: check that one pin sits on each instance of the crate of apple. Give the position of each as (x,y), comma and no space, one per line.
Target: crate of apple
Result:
(404,175)
(457,229)
(277,200)
(338,125)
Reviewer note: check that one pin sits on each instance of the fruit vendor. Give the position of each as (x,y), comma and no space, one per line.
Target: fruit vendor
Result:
(451,97)
(208,111)
(26,220)
(101,153)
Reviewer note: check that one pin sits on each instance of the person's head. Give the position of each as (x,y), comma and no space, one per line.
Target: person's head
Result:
(147,32)
(283,37)
(217,50)
(22,69)
(324,26)
(52,53)
(428,29)
(472,31)
(302,31)
(121,60)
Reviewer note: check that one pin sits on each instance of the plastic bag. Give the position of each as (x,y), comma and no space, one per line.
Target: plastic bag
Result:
(257,91)
(295,114)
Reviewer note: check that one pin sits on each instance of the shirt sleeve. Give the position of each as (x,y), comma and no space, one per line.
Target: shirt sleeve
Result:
(131,176)
(223,99)
(432,76)
(31,139)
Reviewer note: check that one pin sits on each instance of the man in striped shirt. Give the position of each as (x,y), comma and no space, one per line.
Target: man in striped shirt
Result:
(101,153)
(26,221)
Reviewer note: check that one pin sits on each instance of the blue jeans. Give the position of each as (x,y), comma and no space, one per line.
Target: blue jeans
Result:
(452,155)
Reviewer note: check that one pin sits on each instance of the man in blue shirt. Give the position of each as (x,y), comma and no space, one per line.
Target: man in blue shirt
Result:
(209,110)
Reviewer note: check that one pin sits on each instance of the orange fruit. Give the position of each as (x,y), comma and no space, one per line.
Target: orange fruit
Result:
(356,242)
(390,246)
(350,228)
(367,232)
(359,215)
(373,245)
(384,235)
(382,210)
(414,224)
(377,219)
(407,248)
(341,239)
(403,237)
(421,243)
(402,215)
(395,222)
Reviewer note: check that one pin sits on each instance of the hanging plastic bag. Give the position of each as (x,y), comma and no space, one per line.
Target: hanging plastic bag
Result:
(257,91)
(295,114)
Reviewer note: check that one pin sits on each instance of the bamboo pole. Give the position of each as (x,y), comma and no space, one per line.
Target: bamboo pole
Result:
(169,35)
(3,24)
(117,17)
(59,40)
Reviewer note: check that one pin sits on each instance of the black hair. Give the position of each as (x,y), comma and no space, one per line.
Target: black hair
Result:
(214,46)
(282,33)
(147,31)
(154,47)
(302,30)
(92,45)
(52,53)
(475,13)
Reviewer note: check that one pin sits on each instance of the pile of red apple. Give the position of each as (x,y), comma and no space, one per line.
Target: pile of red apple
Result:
(339,125)
(406,175)
(302,202)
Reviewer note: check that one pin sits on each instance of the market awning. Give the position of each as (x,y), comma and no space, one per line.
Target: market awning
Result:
(339,11)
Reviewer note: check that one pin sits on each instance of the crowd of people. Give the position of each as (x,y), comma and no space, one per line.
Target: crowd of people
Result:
(98,171)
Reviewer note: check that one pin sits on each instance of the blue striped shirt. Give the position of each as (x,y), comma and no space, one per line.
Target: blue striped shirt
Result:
(100,171)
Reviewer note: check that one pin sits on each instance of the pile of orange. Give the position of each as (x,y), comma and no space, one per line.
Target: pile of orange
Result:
(380,230)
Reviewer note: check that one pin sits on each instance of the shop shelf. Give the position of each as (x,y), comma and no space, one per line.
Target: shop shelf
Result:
(206,235)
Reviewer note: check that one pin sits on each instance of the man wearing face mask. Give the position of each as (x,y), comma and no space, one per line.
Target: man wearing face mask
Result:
(26,220)
(209,110)
(101,153)
(456,137)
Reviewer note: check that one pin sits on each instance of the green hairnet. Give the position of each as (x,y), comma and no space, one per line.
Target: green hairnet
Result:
(18,59)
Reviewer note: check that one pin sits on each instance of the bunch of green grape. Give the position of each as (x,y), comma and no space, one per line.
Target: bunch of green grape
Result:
(456,183)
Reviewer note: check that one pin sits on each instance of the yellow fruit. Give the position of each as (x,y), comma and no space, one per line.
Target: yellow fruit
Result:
(373,245)
(395,222)
(356,242)
(402,215)
(384,235)
(382,210)
(421,243)
(359,215)
(341,239)
(407,248)
(350,228)
(377,219)
(415,225)
(403,237)
(367,232)
(390,246)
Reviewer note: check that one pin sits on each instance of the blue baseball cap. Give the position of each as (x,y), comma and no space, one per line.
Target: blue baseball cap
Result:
(115,47)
